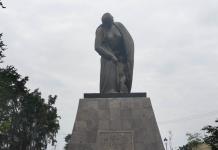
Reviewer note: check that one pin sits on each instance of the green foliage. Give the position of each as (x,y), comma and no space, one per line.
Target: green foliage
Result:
(1,4)
(2,48)
(26,121)
(67,140)
(193,141)
(212,136)
(184,147)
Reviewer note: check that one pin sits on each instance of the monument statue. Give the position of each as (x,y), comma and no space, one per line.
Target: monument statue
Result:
(116,47)
(119,120)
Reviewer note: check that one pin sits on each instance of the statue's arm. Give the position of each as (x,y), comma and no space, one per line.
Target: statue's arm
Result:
(100,48)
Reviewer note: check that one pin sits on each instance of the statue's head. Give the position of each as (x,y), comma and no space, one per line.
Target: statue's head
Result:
(107,20)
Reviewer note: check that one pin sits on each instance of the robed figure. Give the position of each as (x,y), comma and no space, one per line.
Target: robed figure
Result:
(116,47)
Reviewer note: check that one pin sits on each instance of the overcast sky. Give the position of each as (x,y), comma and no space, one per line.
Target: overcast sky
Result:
(176,55)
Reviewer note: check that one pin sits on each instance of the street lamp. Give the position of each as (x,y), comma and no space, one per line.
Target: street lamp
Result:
(165,141)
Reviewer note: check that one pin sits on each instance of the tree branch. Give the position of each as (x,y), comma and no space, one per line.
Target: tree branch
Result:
(1,4)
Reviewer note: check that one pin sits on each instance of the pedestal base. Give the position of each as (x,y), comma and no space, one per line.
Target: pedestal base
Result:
(118,123)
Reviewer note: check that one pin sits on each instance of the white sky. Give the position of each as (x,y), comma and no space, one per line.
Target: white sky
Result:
(176,55)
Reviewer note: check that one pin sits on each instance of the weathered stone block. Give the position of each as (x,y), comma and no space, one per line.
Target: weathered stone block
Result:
(115,123)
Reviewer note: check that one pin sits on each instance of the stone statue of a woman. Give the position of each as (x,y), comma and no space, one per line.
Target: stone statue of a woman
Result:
(116,47)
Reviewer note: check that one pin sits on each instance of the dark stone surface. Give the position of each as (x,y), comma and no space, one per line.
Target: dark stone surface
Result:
(116,140)
(115,123)
(114,95)
(115,45)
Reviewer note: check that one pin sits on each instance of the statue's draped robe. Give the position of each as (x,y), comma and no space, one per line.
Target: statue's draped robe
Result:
(112,74)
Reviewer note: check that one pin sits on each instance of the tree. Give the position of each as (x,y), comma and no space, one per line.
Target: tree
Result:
(2,45)
(193,141)
(212,136)
(2,48)
(1,4)
(184,147)
(67,140)
(27,122)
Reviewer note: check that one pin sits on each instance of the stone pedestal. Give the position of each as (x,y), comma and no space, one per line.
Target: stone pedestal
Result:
(115,122)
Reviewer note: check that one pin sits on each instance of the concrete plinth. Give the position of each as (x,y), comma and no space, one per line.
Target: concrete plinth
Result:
(117,123)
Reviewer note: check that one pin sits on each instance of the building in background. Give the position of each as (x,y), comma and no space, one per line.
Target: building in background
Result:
(202,147)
